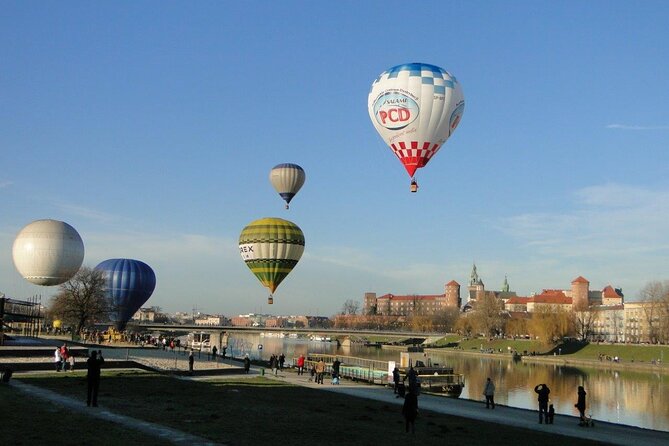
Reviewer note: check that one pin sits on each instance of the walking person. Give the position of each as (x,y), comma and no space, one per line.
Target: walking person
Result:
(300,365)
(489,392)
(57,360)
(412,376)
(542,391)
(214,352)
(335,371)
(274,364)
(580,405)
(191,362)
(247,364)
(65,356)
(396,379)
(94,363)
(282,360)
(320,371)
(410,411)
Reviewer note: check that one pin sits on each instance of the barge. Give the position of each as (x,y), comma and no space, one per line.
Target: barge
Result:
(433,378)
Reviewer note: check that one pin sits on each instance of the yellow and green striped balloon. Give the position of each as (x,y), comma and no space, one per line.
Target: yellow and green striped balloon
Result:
(271,247)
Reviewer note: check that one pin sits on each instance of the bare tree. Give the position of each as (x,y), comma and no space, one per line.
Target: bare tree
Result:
(465,325)
(656,310)
(516,327)
(487,314)
(446,319)
(350,307)
(81,301)
(584,319)
(421,323)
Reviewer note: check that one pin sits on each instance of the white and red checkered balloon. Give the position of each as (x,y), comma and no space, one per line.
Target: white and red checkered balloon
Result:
(415,108)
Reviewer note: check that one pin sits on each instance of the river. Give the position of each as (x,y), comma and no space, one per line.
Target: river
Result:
(635,398)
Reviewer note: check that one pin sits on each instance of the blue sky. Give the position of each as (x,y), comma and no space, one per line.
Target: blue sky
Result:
(151,128)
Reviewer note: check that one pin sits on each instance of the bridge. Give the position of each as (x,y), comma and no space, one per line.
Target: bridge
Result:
(176,328)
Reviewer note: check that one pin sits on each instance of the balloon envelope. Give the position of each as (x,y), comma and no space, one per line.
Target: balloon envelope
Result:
(271,247)
(287,179)
(415,108)
(128,284)
(48,252)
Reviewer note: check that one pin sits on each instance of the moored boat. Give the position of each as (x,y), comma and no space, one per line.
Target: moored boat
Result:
(433,378)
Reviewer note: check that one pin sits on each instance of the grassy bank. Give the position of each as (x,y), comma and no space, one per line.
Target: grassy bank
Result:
(252,411)
(576,350)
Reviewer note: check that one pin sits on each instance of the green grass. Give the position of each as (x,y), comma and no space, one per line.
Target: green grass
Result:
(448,340)
(29,421)
(252,411)
(626,352)
(474,345)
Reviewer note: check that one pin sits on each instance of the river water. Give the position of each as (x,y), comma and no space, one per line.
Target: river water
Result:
(635,398)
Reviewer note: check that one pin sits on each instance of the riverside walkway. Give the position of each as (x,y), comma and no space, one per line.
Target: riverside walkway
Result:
(527,419)
(509,416)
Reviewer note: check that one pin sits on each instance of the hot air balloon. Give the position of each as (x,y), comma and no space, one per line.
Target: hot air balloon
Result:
(128,284)
(415,108)
(271,247)
(287,180)
(48,252)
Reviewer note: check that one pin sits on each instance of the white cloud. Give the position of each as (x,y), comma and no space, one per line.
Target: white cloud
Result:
(87,213)
(637,127)
(617,232)
(5,183)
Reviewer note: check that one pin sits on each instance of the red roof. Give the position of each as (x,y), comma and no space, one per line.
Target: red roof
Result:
(610,293)
(452,282)
(518,300)
(411,296)
(580,279)
(551,297)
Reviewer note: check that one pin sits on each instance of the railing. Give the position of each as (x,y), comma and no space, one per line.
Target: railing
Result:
(359,369)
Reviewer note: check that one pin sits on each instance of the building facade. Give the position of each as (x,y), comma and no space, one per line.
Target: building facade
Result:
(413,304)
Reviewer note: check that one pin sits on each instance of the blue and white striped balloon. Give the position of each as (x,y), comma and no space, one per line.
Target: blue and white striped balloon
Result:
(287,180)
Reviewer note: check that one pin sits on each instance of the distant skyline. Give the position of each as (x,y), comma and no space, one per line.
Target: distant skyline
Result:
(151,127)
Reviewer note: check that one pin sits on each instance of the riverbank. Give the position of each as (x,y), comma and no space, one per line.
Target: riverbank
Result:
(566,360)
(290,401)
(238,410)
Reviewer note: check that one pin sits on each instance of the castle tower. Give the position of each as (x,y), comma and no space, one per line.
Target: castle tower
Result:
(452,292)
(369,305)
(505,285)
(580,289)
(476,287)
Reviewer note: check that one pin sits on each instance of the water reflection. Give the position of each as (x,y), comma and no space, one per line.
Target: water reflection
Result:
(625,397)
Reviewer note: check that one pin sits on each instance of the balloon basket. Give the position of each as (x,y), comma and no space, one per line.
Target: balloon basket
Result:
(270,300)
(414,187)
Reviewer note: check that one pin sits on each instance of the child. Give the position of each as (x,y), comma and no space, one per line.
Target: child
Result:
(551,414)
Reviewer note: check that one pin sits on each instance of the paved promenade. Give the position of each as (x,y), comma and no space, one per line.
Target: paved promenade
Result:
(563,425)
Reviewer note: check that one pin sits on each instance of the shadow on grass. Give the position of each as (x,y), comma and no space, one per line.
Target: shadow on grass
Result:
(251,411)
(567,348)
